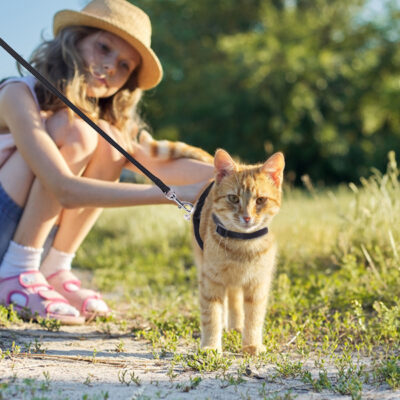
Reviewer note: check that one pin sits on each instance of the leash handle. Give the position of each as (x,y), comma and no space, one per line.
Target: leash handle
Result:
(169,194)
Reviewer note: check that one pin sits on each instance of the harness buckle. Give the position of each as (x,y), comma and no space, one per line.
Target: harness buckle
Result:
(221,231)
(187,207)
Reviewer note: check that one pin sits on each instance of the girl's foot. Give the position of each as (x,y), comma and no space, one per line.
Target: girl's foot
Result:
(88,302)
(32,296)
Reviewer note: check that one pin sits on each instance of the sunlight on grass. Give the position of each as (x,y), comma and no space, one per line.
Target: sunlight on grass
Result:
(336,283)
(335,296)
(336,247)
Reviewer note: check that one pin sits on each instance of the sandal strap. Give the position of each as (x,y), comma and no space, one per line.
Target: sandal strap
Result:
(80,297)
(33,279)
(30,292)
(52,296)
(66,277)
(38,295)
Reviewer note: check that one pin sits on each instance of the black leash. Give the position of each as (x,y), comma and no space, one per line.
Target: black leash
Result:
(168,192)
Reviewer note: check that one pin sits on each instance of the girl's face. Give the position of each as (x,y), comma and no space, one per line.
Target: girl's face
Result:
(110,61)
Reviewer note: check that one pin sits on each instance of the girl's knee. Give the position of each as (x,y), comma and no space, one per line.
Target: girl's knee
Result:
(73,133)
(107,162)
(80,145)
(107,151)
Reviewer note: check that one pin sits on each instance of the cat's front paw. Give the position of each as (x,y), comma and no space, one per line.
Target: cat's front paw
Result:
(254,349)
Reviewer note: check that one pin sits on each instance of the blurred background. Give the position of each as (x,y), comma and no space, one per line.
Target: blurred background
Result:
(316,79)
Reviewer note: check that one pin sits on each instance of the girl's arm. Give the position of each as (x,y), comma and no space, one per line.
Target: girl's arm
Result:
(18,112)
(181,171)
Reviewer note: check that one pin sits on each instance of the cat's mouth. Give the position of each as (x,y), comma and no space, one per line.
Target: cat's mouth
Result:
(246,224)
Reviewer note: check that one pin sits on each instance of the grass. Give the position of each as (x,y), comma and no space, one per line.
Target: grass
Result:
(337,275)
(335,295)
(335,291)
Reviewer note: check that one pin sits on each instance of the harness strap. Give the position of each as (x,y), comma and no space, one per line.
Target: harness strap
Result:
(220,229)
(197,214)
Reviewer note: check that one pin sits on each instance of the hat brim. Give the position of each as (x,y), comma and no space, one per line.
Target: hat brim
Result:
(150,72)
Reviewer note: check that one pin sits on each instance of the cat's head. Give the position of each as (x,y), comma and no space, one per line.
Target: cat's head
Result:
(247,197)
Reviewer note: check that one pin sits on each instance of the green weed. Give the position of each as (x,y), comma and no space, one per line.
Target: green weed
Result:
(389,372)
(335,293)
(231,379)
(286,368)
(192,384)
(8,315)
(267,395)
(120,347)
(206,361)
(25,389)
(101,396)
(128,377)
(50,324)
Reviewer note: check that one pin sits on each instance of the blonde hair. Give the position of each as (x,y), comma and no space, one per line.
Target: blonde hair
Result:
(60,62)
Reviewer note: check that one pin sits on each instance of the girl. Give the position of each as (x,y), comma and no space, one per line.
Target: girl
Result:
(56,171)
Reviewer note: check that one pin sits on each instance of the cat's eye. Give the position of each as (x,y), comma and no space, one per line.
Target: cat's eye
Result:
(233,198)
(261,200)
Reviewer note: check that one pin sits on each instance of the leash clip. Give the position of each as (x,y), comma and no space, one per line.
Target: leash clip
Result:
(185,205)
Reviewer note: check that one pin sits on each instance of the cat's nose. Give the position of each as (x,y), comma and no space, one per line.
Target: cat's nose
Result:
(246,219)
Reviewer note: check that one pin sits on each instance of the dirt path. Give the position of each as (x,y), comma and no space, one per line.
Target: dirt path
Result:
(86,363)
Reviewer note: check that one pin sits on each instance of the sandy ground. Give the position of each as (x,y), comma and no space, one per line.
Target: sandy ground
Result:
(83,363)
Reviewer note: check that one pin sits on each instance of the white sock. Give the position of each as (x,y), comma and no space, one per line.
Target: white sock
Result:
(19,259)
(56,261)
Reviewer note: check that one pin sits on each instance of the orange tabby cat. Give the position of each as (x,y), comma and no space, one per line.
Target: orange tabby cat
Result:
(234,251)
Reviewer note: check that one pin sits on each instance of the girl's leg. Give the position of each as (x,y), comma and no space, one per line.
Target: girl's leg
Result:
(16,178)
(105,164)
(76,143)
(15,183)
(75,224)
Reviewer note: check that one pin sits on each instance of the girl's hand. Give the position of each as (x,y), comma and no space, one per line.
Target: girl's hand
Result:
(190,193)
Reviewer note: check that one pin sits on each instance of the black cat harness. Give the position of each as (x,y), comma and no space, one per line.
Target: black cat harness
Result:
(220,229)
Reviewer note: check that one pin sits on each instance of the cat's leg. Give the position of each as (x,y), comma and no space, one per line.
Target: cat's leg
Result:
(235,308)
(211,307)
(225,314)
(255,304)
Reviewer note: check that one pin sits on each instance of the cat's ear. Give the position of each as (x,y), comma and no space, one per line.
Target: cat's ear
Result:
(273,167)
(224,165)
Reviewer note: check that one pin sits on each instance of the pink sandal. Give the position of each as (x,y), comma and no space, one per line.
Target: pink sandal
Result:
(32,296)
(66,283)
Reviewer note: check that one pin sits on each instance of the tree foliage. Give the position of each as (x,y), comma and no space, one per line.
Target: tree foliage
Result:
(311,78)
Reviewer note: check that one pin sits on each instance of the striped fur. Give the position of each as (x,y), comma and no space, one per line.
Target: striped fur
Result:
(235,275)
(168,150)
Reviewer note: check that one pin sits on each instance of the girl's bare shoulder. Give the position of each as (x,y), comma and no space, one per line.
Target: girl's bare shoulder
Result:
(13,90)
(15,98)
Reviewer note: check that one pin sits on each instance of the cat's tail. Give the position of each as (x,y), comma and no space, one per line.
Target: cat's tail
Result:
(169,150)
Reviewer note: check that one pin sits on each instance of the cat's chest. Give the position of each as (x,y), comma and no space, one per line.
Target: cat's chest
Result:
(238,265)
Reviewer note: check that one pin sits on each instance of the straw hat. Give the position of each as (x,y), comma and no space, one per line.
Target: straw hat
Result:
(124,20)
